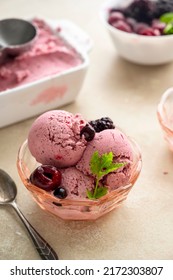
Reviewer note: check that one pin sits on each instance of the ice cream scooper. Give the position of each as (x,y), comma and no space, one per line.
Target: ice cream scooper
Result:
(16,36)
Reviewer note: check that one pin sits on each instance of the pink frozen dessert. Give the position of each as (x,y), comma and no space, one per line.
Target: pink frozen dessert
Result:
(49,55)
(106,141)
(55,139)
(79,159)
(76,182)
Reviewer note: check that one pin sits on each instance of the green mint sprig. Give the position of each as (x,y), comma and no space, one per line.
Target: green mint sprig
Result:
(101,166)
(168,19)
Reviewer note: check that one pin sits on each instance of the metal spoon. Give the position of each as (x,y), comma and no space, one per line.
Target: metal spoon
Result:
(16,36)
(8,192)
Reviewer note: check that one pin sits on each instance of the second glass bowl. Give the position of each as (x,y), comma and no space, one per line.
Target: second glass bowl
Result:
(165,116)
(78,209)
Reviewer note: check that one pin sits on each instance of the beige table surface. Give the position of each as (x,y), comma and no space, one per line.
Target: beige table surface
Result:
(142,228)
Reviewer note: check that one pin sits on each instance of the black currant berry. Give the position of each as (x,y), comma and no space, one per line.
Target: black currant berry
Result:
(60,192)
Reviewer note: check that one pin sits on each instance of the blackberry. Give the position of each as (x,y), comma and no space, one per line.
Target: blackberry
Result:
(162,7)
(140,10)
(102,124)
(88,132)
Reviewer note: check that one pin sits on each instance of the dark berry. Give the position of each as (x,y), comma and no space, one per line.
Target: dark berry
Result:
(88,132)
(140,10)
(102,124)
(122,25)
(60,192)
(46,177)
(162,7)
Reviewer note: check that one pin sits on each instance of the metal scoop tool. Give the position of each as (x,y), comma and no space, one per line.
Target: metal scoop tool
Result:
(16,36)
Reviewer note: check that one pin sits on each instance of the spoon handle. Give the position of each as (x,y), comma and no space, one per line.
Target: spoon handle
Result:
(44,249)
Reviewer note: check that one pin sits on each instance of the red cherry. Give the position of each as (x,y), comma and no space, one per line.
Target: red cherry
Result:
(115,16)
(140,26)
(46,177)
(123,26)
(156,24)
(156,32)
(149,32)
(131,22)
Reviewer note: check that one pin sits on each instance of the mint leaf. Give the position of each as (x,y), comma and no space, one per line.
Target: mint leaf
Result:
(168,29)
(101,166)
(106,160)
(89,194)
(101,191)
(95,163)
(166,18)
(112,167)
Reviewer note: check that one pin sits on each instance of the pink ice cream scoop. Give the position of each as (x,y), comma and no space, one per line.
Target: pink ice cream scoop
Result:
(54,138)
(109,140)
(76,183)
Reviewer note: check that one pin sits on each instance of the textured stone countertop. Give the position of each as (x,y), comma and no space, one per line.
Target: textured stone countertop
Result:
(142,227)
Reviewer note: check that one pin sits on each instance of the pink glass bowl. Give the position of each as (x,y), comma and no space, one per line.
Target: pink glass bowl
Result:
(165,116)
(78,209)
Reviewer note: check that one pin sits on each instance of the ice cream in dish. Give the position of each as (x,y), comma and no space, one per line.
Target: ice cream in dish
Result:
(75,168)
(79,158)
(50,54)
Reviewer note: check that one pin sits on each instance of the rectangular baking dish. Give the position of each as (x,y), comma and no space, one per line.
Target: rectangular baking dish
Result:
(51,92)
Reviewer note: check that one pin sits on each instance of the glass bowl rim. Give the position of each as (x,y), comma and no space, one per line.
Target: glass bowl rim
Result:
(160,110)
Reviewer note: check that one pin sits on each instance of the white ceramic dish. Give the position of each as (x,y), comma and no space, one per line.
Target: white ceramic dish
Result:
(51,92)
(146,50)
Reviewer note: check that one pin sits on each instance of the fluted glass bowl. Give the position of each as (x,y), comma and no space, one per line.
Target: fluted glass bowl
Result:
(165,116)
(75,209)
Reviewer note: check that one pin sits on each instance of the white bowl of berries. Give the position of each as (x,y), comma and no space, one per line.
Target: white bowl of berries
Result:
(141,30)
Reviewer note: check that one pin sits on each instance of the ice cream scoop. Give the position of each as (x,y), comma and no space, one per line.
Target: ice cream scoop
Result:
(115,141)
(76,183)
(54,138)
(16,36)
